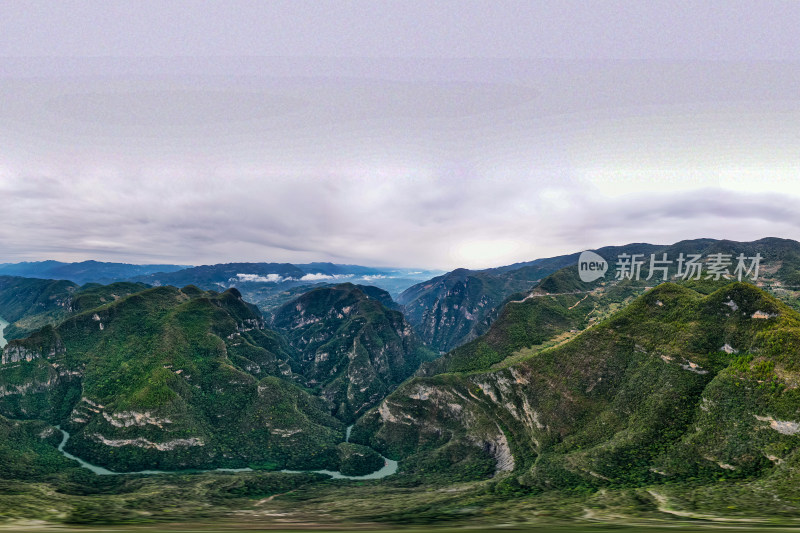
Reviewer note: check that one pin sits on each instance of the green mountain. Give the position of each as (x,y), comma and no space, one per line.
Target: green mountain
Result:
(531,323)
(677,386)
(30,303)
(611,400)
(556,310)
(28,450)
(27,297)
(459,306)
(446,310)
(353,346)
(170,378)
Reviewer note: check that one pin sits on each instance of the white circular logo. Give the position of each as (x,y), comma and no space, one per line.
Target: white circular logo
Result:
(591,266)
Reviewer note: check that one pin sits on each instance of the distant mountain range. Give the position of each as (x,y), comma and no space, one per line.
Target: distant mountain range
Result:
(84,271)
(263,283)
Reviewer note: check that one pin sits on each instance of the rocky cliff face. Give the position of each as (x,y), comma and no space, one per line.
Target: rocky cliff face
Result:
(170,378)
(455,308)
(678,385)
(449,310)
(351,346)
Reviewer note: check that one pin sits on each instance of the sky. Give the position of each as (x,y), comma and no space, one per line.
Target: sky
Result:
(416,133)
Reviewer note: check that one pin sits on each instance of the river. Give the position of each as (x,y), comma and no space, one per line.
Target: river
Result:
(389,467)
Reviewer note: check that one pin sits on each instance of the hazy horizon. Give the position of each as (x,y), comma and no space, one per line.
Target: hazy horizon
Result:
(378,266)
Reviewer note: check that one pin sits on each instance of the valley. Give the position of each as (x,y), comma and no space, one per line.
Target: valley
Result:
(389,467)
(608,401)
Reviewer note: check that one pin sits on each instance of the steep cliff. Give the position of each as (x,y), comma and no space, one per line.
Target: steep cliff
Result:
(170,378)
(352,347)
(676,386)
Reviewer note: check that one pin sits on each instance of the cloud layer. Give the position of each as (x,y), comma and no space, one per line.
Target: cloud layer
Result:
(460,151)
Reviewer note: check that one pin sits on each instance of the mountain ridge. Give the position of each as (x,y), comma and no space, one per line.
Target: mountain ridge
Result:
(572,415)
(160,378)
(352,343)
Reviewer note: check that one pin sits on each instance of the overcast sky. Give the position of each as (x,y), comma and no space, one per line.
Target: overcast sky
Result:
(416,133)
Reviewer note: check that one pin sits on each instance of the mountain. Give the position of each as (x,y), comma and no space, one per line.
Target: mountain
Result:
(454,308)
(612,400)
(223,275)
(270,285)
(560,307)
(25,297)
(676,386)
(30,303)
(353,346)
(450,310)
(83,272)
(170,378)
(28,450)
(446,309)
(522,324)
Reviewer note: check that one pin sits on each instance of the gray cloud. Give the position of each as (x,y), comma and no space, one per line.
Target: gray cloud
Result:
(594,29)
(411,135)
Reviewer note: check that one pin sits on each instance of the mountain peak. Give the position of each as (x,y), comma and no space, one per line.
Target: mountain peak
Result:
(352,346)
